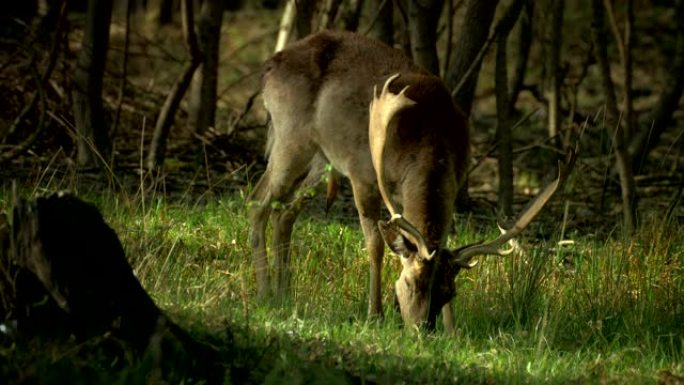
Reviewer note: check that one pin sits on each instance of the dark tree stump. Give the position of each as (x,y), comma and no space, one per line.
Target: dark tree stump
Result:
(77,257)
(63,273)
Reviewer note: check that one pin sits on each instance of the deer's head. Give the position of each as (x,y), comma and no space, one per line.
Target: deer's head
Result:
(426,282)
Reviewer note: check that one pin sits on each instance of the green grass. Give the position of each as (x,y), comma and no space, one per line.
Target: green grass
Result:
(612,313)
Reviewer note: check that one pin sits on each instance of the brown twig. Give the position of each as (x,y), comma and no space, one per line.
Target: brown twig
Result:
(245,110)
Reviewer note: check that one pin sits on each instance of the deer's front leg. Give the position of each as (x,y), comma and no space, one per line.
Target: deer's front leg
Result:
(448,318)
(375,246)
(367,202)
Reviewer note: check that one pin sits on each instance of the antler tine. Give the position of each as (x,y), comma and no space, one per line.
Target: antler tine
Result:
(413,233)
(465,254)
(515,246)
(382,110)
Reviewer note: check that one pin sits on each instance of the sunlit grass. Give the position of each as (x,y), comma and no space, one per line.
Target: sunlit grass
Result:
(592,312)
(597,311)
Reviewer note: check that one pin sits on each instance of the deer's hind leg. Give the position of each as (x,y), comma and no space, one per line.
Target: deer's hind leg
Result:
(273,196)
(258,208)
(283,219)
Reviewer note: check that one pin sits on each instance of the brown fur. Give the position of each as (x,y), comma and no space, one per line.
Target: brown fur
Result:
(317,92)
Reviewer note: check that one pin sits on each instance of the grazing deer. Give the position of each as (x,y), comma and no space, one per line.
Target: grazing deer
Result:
(410,150)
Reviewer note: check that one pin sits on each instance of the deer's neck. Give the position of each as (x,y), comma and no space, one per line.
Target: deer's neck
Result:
(428,202)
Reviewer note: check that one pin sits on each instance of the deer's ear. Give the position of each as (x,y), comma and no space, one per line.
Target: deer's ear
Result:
(395,240)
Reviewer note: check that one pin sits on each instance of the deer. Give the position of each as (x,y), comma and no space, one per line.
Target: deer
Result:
(406,147)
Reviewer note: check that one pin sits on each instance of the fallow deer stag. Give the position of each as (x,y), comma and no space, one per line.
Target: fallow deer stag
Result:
(410,150)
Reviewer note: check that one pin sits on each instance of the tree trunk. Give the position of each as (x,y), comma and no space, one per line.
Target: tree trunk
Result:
(305,13)
(660,116)
(473,36)
(503,133)
(285,29)
(123,80)
(162,11)
(202,109)
(329,14)
(504,120)
(155,158)
(553,38)
(423,19)
(612,120)
(382,24)
(404,33)
(523,54)
(629,40)
(93,141)
(474,32)
(166,8)
(352,16)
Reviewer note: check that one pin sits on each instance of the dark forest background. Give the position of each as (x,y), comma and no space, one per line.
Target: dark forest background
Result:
(121,88)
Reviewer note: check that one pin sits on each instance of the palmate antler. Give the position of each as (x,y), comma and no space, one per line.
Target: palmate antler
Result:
(463,255)
(383,108)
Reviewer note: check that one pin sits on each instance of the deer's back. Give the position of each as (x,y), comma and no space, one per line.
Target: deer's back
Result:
(320,88)
(337,55)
